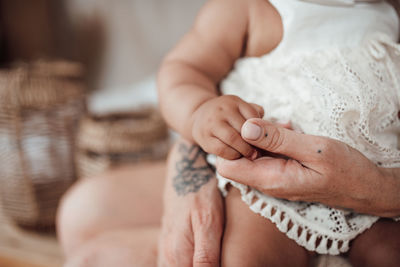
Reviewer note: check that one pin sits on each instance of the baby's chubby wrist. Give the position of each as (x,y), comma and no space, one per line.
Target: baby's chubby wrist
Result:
(188,125)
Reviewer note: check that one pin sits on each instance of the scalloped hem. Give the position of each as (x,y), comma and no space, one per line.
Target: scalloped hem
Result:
(293,228)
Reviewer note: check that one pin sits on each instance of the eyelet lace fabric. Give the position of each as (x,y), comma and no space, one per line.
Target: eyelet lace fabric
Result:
(351,94)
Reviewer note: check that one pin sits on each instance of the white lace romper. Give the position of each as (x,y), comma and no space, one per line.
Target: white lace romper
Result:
(336,73)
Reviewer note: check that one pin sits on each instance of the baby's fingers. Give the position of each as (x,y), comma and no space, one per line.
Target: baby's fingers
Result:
(228,135)
(250,110)
(236,122)
(259,108)
(219,148)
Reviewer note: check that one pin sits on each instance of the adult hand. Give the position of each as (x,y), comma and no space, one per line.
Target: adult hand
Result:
(314,169)
(193,212)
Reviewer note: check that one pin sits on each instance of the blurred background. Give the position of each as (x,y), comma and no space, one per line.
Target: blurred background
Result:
(75,74)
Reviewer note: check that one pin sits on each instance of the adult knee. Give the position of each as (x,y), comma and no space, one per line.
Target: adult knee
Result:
(115,249)
(76,218)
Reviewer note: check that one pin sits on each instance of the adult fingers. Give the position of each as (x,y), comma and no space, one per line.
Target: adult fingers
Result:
(230,137)
(287,125)
(207,240)
(274,176)
(175,249)
(255,173)
(272,138)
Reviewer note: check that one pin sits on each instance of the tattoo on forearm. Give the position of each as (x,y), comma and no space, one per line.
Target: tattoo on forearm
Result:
(193,171)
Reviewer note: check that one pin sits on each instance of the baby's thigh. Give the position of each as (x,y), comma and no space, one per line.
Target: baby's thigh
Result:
(252,240)
(378,246)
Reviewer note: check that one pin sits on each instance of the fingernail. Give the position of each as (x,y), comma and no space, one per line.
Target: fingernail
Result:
(251,131)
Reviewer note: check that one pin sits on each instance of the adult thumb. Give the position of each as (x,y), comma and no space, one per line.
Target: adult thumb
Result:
(277,139)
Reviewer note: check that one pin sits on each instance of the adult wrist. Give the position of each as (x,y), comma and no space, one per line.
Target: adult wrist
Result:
(389,194)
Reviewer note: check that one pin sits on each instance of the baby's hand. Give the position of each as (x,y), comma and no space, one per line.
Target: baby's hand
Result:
(216,126)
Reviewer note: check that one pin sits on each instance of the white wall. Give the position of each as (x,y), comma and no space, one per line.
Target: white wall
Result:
(137,33)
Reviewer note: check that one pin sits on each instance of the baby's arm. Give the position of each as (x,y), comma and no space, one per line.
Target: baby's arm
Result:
(190,73)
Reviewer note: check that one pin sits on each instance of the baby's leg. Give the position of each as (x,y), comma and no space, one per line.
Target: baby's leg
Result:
(253,241)
(378,246)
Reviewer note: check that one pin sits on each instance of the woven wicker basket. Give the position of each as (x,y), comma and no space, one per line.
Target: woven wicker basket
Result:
(106,141)
(40,106)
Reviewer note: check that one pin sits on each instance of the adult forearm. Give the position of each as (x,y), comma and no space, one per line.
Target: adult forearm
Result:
(388,194)
(376,192)
(193,210)
(188,170)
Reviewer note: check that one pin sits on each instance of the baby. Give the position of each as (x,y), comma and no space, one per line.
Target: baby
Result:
(327,67)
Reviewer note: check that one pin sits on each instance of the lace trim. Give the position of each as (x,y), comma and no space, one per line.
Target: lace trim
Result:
(288,224)
(356,94)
